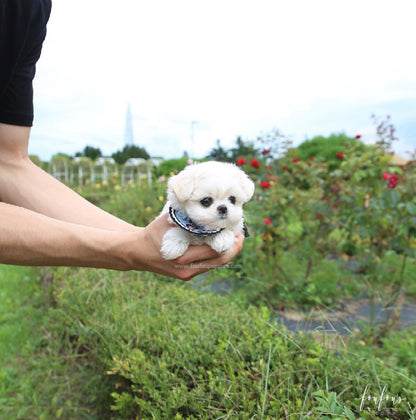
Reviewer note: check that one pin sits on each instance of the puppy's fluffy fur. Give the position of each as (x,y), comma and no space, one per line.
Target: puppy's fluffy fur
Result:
(212,195)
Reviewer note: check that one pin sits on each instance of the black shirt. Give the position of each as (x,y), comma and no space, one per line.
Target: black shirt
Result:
(22,31)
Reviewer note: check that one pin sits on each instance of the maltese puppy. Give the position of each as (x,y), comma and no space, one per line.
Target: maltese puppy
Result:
(205,202)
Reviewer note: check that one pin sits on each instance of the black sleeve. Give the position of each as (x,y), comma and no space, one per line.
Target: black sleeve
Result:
(22,32)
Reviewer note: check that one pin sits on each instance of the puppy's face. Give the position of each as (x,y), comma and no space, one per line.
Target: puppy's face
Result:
(212,194)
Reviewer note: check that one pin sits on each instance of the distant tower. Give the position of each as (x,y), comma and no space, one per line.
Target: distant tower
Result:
(128,130)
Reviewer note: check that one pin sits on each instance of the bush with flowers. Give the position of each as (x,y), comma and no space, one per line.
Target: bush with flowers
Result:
(314,218)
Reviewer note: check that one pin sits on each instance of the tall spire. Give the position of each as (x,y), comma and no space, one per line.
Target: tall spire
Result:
(128,130)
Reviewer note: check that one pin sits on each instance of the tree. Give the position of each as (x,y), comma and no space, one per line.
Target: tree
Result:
(130,151)
(91,152)
(242,149)
(218,153)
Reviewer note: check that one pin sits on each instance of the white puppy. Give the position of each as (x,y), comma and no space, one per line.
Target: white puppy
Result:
(205,201)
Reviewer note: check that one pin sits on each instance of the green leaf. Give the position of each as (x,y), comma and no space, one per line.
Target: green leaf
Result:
(349,413)
(410,252)
(411,208)
(335,408)
(396,244)
(395,197)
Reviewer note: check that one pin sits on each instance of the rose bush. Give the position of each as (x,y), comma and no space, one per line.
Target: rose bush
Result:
(308,211)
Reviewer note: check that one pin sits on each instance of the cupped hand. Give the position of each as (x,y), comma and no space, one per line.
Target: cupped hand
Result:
(196,260)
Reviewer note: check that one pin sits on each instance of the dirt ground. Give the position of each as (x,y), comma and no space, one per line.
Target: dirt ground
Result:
(348,317)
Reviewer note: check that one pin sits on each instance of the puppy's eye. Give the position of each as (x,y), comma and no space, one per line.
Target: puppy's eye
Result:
(206,202)
(232,199)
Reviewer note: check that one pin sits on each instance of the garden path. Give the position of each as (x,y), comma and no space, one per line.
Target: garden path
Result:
(348,316)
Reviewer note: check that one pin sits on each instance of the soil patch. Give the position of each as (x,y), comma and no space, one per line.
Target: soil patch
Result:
(348,317)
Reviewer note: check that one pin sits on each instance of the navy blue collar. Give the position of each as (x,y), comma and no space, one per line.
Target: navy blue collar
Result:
(187,224)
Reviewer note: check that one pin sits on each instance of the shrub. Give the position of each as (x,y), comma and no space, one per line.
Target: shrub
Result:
(173,352)
(328,148)
(171,166)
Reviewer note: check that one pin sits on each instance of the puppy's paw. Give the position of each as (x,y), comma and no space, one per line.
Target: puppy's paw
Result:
(222,242)
(174,244)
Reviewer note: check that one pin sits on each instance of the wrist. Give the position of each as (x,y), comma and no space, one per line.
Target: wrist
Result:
(127,250)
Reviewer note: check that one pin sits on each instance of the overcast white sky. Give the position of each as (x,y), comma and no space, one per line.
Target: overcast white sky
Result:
(236,67)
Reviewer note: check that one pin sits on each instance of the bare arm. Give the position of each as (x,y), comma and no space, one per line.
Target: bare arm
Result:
(42,222)
(24,184)
(29,238)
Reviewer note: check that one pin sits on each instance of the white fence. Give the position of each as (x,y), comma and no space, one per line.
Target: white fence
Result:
(81,170)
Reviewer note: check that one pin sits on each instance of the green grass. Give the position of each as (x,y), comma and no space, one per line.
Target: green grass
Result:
(99,344)
(38,378)
(21,310)
(21,315)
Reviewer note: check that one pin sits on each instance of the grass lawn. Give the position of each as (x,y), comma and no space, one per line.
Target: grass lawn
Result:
(21,311)
(21,314)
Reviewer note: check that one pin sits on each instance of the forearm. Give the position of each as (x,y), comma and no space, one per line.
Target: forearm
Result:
(28,238)
(24,184)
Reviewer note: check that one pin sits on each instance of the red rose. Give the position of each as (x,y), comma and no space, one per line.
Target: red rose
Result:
(311,158)
(358,136)
(255,163)
(265,151)
(241,161)
(265,184)
(294,160)
(267,221)
(340,155)
(393,181)
(285,168)
(386,175)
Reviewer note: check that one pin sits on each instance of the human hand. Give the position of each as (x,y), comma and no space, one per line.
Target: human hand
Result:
(196,260)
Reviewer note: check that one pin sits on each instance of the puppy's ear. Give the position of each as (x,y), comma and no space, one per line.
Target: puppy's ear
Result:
(247,186)
(181,186)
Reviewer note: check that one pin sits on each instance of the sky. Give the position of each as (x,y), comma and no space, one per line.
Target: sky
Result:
(218,69)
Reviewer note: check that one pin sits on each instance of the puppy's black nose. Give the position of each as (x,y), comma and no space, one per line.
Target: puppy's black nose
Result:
(222,209)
